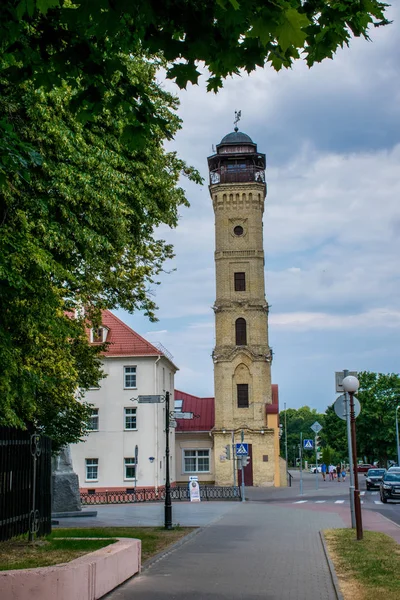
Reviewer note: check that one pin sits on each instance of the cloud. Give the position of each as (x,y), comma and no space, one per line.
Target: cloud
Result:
(331,136)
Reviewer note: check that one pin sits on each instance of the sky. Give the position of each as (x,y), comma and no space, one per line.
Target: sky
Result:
(331,135)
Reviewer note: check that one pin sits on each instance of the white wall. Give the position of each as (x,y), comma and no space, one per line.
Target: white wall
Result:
(111,443)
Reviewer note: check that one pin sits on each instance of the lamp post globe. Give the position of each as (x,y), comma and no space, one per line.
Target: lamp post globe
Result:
(350,384)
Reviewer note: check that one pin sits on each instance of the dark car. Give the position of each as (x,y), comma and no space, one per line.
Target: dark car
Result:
(390,487)
(374,477)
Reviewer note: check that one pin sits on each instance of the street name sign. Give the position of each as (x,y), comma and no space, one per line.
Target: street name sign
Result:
(183,415)
(308,444)
(316,427)
(242,449)
(149,399)
(340,407)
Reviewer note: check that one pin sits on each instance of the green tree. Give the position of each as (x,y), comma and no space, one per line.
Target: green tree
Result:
(335,434)
(379,394)
(84,43)
(78,231)
(299,421)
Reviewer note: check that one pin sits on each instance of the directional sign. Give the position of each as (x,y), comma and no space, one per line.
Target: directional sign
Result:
(183,415)
(316,427)
(308,444)
(242,449)
(149,399)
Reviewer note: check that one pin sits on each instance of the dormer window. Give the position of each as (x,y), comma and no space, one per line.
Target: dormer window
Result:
(99,335)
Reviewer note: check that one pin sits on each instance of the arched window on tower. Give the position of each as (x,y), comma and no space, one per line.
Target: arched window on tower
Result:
(241,333)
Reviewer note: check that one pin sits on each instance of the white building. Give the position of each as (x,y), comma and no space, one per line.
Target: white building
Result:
(120,425)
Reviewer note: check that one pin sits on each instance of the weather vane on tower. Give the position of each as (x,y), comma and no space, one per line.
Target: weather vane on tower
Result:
(238,114)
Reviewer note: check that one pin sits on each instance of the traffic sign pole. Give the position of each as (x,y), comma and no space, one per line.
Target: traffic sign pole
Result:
(316,462)
(301,463)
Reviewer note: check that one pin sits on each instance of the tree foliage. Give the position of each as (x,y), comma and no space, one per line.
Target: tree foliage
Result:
(84,176)
(299,421)
(379,394)
(77,230)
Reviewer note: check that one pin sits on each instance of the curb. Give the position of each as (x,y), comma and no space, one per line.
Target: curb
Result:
(332,571)
(154,559)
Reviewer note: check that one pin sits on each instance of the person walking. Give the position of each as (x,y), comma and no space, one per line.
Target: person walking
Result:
(331,469)
(344,474)
(339,472)
(323,471)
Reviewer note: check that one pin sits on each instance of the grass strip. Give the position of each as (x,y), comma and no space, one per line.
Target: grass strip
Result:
(154,539)
(18,553)
(367,569)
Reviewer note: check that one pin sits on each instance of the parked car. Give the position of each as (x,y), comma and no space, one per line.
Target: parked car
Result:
(394,470)
(364,468)
(313,469)
(390,487)
(374,477)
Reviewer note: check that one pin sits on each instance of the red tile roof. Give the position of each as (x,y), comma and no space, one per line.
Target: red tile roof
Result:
(123,341)
(198,406)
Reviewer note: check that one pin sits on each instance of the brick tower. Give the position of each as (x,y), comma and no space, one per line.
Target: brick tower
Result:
(242,356)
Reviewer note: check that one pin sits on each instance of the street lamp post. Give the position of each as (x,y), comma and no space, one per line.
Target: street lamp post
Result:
(351,385)
(397,437)
(168,502)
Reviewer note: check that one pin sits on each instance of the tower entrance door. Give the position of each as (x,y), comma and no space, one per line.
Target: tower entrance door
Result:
(248,471)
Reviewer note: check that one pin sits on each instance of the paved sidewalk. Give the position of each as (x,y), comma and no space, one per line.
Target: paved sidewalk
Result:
(252,552)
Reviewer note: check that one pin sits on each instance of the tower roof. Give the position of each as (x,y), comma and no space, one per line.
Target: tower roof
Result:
(236,137)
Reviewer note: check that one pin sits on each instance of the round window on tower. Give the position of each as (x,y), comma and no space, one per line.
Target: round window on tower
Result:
(238,230)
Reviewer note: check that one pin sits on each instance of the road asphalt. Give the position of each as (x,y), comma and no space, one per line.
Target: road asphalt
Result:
(268,547)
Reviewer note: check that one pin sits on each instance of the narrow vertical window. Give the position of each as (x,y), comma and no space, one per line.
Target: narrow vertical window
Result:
(240,282)
(130,468)
(242,395)
(241,334)
(94,420)
(130,418)
(92,469)
(129,377)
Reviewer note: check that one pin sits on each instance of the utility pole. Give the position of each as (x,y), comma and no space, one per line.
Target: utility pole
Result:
(234,459)
(301,463)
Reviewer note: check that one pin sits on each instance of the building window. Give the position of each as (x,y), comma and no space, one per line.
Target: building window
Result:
(92,469)
(130,468)
(130,418)
(241,333)
(129,377)
(238,230)
(196,461)
(99,335)
(178,406)
(242,395)
(240,282)
(94,420)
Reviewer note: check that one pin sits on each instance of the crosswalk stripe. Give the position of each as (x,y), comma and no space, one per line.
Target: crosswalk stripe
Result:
(377,502)
(300,501)
(362,493)
(374,493)
(320,501)
(362,502)
(339,501)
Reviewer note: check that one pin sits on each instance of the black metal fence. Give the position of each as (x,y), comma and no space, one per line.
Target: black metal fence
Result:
(207,492)
(25,484)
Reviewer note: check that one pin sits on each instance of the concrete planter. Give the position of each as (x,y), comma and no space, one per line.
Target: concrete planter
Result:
(86,578)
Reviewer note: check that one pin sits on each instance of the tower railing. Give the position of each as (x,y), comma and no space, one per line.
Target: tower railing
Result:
(237,175)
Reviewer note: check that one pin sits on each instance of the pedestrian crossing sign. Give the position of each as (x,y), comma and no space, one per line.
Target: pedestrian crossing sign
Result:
(242,449)
(308,444)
